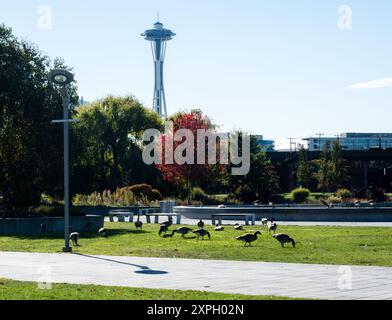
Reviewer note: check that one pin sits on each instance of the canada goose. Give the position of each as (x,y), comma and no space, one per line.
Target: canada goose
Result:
(249,238)
(284,238)
(183,231)
(238,227)
(74,237)
(264,221)
(219,228)
(328,205)
(202,233)
(167,236)
(103,232)
(163,229)
(168,223)
(138,223)
(201,224)
(272,226)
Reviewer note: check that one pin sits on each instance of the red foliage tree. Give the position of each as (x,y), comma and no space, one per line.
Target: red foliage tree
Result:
(192,174)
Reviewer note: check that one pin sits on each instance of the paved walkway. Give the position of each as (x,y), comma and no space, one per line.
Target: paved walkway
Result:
(254,278)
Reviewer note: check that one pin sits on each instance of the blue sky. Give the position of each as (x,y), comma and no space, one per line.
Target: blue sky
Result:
(280,68)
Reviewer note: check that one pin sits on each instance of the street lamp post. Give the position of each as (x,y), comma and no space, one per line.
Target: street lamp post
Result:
(63,78)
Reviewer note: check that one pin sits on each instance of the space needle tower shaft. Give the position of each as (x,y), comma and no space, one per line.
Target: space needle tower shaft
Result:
(158,37)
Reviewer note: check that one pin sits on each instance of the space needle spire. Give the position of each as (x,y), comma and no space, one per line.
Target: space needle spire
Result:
(158,37)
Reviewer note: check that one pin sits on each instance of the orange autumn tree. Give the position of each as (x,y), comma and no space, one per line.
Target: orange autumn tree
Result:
(192,174)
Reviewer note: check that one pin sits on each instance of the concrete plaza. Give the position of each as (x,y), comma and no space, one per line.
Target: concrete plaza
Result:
(253,278)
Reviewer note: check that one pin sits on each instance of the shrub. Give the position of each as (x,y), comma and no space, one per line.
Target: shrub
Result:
(122,197)
(145,191)
(198,194)
(377,194)
(344,194)
(245,194)
(361,193)
(334,199)
(140,189)
(156,195)
(300,195)
(214,201)
(141,194)
(278,199)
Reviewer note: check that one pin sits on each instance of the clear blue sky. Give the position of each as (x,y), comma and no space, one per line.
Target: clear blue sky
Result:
(280,68)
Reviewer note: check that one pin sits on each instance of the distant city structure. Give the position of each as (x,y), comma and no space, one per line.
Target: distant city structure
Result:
(82,102)
(266,145)
(353,141)
(158,37)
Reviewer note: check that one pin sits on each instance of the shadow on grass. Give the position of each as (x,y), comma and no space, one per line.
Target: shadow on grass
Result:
(143,269)
(84,235)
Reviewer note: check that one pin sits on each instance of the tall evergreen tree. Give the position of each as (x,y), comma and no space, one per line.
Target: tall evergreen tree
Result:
(333,168)
(324,169)
(261,183)
(338,167)
(304,170)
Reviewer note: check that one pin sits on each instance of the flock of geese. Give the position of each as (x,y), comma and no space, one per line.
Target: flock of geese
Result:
(248,238)
(202,233)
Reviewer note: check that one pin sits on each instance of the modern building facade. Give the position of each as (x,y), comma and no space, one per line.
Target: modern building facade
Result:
(266,145)
(158,37)
(353,141)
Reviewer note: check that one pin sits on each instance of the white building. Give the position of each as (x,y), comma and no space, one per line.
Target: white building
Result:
(353,141)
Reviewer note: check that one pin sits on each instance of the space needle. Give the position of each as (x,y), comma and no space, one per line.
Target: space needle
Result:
(158,37)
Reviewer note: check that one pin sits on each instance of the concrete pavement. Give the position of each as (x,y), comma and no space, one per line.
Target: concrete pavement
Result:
(253,278)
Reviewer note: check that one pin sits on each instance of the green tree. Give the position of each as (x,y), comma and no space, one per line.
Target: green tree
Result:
(30,145)
(338,167)
(324,169)
(108,145)
(332,168)
(261,179)
(304,170)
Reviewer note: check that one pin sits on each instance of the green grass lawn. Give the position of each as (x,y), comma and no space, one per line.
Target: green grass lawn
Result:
(314,197)
(318,245)
(15,290)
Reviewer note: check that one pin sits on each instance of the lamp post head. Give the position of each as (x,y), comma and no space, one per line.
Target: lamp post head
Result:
(61,77)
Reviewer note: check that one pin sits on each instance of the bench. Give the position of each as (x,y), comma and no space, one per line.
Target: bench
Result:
(246,216)
(148,213)
(121,215)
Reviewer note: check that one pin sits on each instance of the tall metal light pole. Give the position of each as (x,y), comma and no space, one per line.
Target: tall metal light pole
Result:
(319,136)
(63,78)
